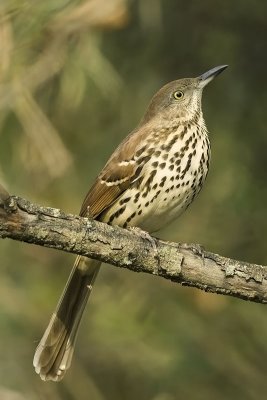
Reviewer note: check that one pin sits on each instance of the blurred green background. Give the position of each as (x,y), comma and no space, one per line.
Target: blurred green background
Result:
(75,78)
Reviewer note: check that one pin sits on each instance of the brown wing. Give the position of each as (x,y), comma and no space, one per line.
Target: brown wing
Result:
(106,189)
(117,175)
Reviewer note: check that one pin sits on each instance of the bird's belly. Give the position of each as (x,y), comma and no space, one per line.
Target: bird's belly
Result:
(165,191)
(169,205)
(154,209)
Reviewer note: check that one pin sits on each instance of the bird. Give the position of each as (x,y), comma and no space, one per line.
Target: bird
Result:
(149,180)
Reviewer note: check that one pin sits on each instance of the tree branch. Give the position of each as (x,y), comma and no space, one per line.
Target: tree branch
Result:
(188,264)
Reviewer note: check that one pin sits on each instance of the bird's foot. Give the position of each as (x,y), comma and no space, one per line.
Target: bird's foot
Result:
(152,241)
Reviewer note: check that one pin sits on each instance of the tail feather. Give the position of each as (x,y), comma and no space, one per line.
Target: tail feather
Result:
(54,353)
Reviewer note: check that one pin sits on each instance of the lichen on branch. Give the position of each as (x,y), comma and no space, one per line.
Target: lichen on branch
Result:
(187,264)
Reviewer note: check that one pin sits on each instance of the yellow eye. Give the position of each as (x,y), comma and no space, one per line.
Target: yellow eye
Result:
(178,95)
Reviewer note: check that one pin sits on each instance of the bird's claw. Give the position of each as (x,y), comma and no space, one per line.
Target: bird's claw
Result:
(146,236)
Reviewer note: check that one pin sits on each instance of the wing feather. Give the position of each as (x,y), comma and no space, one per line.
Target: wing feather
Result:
(121,170)
(114,179)
(101,196)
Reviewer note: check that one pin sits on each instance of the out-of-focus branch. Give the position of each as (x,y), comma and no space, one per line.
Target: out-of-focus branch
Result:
(188,264)
(68,42)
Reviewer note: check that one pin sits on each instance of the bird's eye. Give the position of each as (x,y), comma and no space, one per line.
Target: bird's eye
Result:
(178,95)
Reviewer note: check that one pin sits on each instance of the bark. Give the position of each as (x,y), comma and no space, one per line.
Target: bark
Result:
(187,264)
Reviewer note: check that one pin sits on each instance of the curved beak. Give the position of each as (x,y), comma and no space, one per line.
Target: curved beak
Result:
(208,76)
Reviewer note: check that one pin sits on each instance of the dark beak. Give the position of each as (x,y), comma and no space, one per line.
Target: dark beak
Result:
(205,78)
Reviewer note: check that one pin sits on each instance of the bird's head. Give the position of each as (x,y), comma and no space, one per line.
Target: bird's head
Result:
(181,97)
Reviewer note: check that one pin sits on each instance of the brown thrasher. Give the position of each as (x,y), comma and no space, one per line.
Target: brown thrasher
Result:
(150,179)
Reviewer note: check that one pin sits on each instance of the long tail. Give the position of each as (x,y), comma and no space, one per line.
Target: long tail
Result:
(54,353)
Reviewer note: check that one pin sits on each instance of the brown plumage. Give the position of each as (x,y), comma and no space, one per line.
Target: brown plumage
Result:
(149,180)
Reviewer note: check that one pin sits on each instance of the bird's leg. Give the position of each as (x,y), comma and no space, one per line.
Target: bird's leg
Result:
(146,236)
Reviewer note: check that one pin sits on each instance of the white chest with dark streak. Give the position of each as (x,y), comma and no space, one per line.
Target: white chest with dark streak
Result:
(172,176)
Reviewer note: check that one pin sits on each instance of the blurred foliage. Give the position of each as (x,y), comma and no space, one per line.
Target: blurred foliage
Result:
(75,78)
